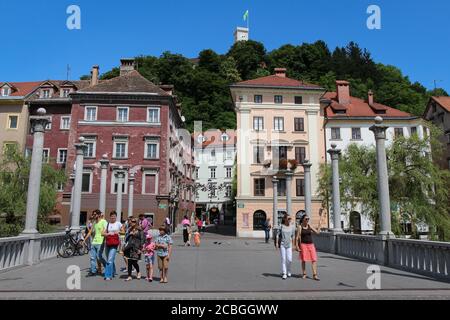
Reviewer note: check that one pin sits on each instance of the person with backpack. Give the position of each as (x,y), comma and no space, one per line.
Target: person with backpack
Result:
(112,243)
(133,248)
(186,231)
(284,241)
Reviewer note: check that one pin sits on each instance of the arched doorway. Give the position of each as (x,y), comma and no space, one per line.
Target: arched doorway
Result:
(213,214)
(259,217)
(299,215)
(355,222)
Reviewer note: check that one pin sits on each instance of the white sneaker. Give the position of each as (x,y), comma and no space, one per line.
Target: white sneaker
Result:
(284,277)
(289,275)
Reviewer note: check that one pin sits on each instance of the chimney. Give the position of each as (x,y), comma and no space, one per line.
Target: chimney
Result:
(370,98)
(343,92)
(280,72)
(126,66)
(167,88)
(94,75)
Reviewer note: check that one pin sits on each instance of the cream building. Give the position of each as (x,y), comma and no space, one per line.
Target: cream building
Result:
(14,114)
(278,119)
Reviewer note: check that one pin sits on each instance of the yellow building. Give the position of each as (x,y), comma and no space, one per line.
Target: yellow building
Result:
(14,113)
(278,119)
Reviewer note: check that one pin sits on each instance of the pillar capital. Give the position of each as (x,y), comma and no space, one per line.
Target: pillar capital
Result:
(119,174)
(132,178)
(334,152)
(39,122)
(289,174)
(80,146)
(104,162)
(379,129)
(307,165)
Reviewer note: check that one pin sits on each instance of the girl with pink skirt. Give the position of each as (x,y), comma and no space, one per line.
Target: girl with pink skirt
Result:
(305,245)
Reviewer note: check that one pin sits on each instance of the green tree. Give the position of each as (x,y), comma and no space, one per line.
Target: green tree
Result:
(249,56)
(14,175)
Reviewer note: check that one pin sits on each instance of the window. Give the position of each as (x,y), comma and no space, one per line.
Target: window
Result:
(65,123)
(413,131)
(49,125)
(60,187)
(278,99)
(356,133)
(258,98)
(153,115)
(282,187)
(229,155)
(258,123)
(150,182)
(86,184)
(225,137)
(6,91)
(45,93)
(228,191)
(90,114)
(278,124)
(300,187)
(258,154)
(13,122)
(115,184)
(196,172)
(212,173)
(260,187)
(213,154)
(122,114)
(299,124)
(398,132)
(298,100)
(335,133)
(279,153)
(65,93)
(259,217)
(91,144)
(9,147)
(152,149)
(62,156)
(120,149)
(28,152)
(300,154)
(46,155)
(229,172)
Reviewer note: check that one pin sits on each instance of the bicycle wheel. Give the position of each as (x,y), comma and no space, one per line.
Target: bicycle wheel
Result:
(66,249)
(81,248)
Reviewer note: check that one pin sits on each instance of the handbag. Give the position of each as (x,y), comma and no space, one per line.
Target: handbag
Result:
(112,240)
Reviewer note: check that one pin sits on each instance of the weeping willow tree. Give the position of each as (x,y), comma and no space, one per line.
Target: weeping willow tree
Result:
(419,189)
(14,175)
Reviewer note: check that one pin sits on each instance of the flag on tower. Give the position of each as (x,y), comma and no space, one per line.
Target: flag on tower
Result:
(246,15)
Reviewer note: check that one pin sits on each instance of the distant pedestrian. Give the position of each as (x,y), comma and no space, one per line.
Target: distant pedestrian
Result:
(305,245)
(144,224)
(164,252)
(112,243)
(149,254)
(133,248)
(284,241)
(199,224)
(216,223)
(267,227)
(167,224)
(186,230)
(204,226)
(124,236)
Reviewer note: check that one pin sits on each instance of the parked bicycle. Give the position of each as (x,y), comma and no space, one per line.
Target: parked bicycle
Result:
(73,245)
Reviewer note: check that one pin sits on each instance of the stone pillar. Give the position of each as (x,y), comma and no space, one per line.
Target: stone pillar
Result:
(131,194)
(275,204)
(72,181)
(38,124)
(120,176)
(289,174)
(335,153)
(104,163)
(379,131)
(308,192)
(75,218)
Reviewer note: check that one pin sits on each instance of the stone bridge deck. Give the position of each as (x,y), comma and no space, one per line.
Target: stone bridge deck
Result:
(224,268)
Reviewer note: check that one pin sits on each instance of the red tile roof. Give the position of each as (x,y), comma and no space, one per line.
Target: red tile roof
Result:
(23,88)
(276,81)
(444,102)
(360,108)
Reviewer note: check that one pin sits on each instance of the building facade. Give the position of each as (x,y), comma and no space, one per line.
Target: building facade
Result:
(14,114)
(347,121)
(215,154)
(278,119)
(438,112)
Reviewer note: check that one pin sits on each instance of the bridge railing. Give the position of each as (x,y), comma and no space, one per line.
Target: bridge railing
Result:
(424,257)
(17,252)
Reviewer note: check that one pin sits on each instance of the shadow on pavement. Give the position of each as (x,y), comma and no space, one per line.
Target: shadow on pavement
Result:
(229,231)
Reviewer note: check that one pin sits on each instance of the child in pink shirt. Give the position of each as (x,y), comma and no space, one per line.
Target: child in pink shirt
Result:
(149,253)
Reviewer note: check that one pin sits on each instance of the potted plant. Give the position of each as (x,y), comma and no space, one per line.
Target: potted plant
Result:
(293,164)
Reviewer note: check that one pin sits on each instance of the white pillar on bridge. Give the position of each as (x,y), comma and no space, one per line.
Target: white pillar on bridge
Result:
(79,167)
(131,180)
(334,153)
(104,163)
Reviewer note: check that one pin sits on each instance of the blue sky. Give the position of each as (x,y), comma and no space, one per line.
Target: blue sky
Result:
(415,35)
